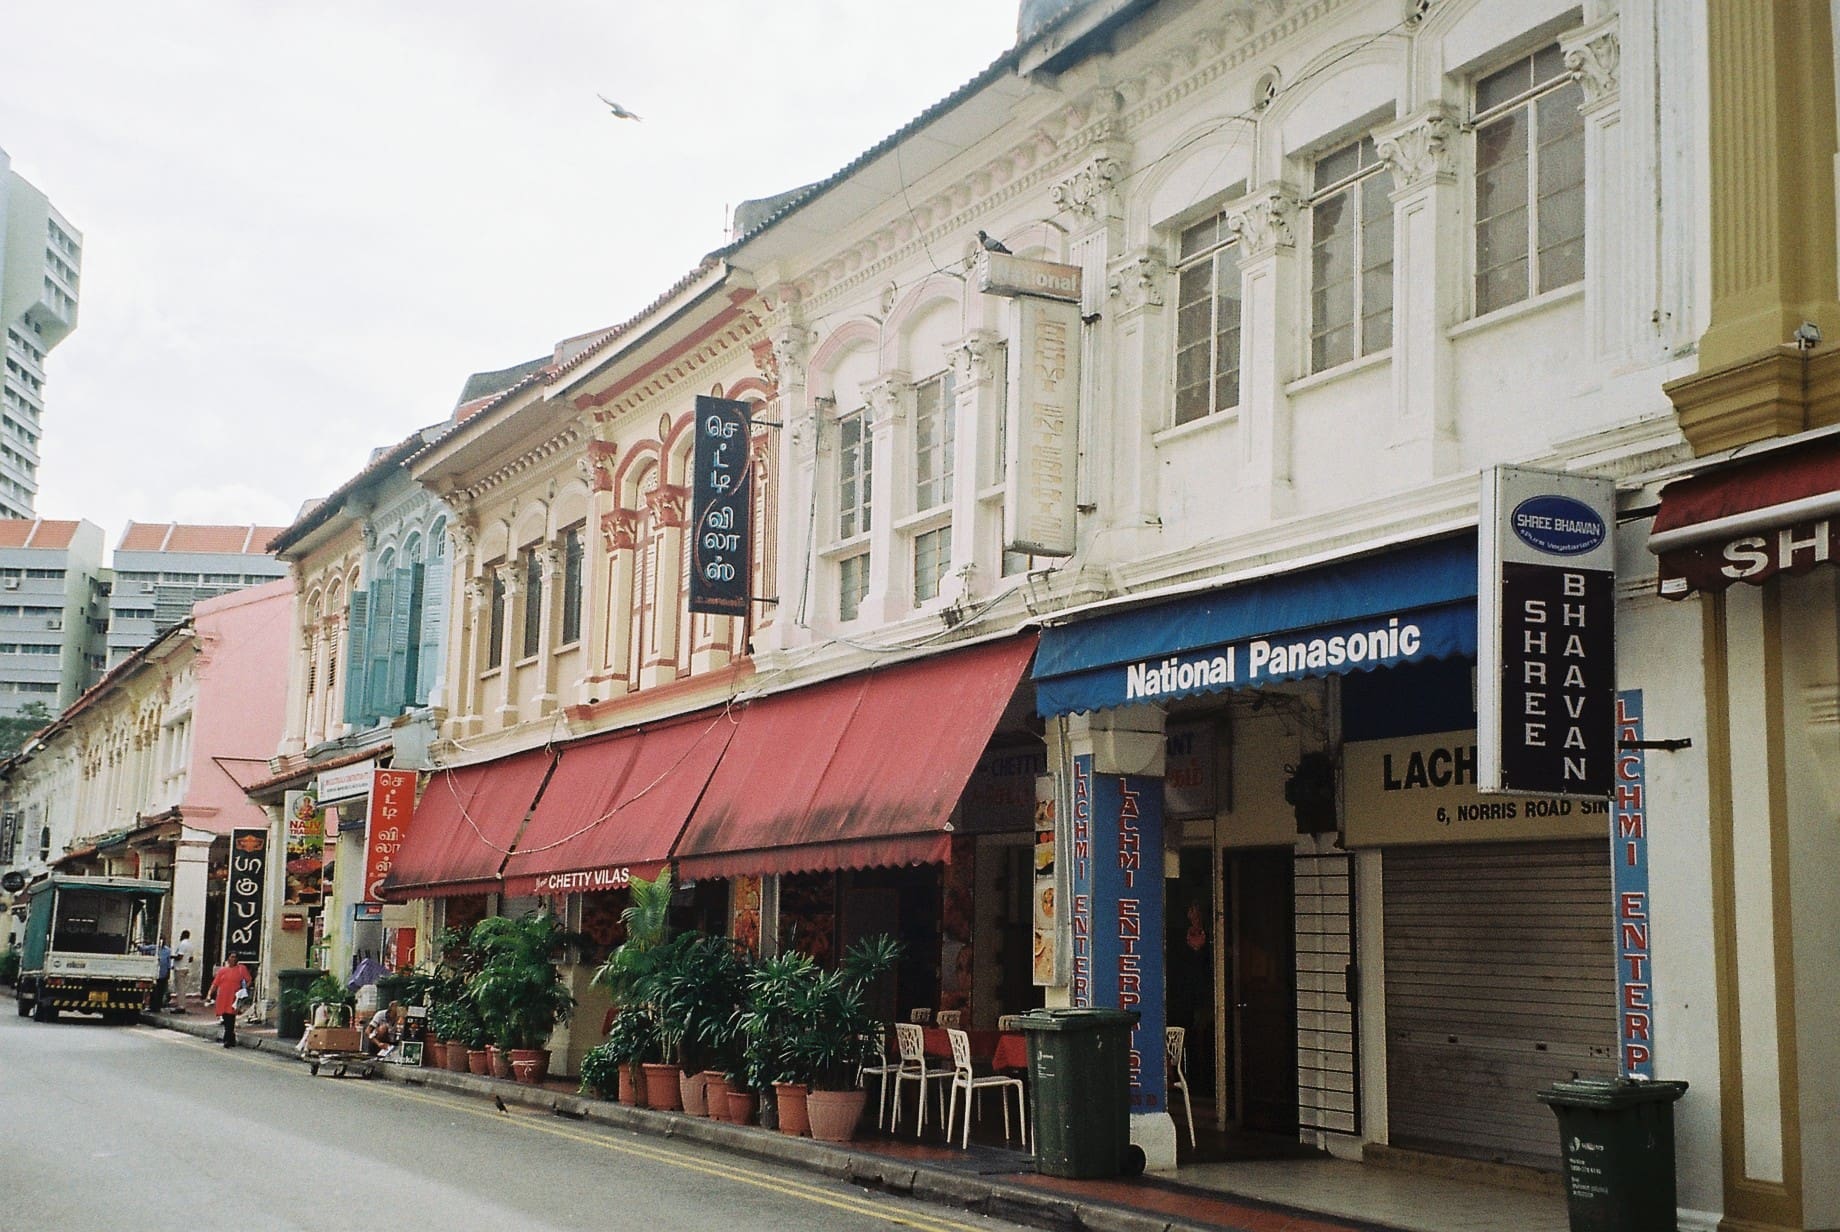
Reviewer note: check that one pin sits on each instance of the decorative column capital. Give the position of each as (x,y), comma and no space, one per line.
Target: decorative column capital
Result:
(974,358)
(789,353)
(596,464)
(510,577)
(1092,192)
(888,399)
(1138,281)
(620,530)
(1264,221)
(669,505)
(462,535)
(549,560)
(1594,56)
(1421,150)
(478,589)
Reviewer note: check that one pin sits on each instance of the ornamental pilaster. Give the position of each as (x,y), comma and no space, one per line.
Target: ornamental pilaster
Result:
(1137,282)
(888,401)
(974,359)
(669,505)
(1092,193)
(620,530)
(1594,55)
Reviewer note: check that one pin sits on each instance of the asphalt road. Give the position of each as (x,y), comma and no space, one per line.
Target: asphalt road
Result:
(139,1129)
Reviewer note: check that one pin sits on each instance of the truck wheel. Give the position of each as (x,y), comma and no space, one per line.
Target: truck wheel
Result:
(25,1005)
(43,1013)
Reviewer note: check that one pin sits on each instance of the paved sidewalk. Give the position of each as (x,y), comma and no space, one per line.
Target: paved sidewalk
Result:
(993,1181)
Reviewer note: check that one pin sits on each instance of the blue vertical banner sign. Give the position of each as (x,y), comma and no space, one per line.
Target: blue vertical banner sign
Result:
(1635,1002)
(248,882)
(721,508)
(1124,913)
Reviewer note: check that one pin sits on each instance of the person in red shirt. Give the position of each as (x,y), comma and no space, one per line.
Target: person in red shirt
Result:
(231,978)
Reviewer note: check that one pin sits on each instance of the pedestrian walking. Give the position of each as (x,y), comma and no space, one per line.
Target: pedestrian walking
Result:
(229,993)
(185,967)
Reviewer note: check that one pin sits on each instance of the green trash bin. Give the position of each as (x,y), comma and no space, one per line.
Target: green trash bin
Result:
(291,1018)
(393,987)
(1080,1090)
(1617,1139)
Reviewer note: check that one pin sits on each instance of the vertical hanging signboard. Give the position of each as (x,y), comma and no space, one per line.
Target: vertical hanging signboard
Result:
(303,883)
(243,897)
(1042,416)
(1047,951)
(392,808)
(1118,906)
(721,508)
(1546,670)
(1635,1002)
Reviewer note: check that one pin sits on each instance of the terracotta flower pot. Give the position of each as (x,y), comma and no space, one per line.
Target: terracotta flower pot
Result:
(792,1117)
(536,1056)
(524,1069)
(630,1087)
(741,1106)
(500,1061)
(715,1095)
(690,1089)
(456,1057)
(663,1088)
(834,1114)
(478,1061)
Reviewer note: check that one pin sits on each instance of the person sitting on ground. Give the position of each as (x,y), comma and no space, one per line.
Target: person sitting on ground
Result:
(384,1030)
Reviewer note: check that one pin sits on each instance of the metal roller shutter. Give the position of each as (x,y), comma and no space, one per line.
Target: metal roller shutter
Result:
(1500,979)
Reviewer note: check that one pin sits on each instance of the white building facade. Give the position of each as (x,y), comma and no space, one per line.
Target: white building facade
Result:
(41,262)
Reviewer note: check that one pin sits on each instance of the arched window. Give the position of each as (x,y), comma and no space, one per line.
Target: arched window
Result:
(44,843)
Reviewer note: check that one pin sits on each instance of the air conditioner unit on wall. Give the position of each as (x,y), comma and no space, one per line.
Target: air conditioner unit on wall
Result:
(12,583)
(55,624)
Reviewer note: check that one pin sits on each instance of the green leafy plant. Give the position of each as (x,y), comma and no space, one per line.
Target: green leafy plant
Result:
(646,919)
(456,1021)
(517,990)
(831,1030)
(764,1024)
(328,991)
(694,988)
(600,1071)
(633,1036)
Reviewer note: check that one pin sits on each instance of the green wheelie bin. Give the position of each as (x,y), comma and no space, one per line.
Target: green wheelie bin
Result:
(1617,1138)
(1080,1084)
(291,1018)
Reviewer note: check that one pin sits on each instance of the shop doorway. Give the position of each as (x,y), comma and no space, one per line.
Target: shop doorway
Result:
(1257,897)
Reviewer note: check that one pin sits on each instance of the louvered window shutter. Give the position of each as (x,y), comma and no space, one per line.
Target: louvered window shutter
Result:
(433,628)
(357,630)
(405,638)
(377,671)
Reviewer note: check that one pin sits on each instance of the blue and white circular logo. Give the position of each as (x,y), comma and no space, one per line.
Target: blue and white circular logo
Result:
(1558,525)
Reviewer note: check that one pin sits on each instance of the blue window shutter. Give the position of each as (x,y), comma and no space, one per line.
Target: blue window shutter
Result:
(357,630)
(433,629)
(407,607)
(377,670)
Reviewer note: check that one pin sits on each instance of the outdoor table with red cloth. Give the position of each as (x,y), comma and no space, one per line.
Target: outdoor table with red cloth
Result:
(1001,1049)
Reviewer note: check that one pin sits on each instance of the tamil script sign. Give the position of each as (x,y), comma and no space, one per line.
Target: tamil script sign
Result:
(392,809)
(1038,510)
(1546,669)
(243,898)
(721,508)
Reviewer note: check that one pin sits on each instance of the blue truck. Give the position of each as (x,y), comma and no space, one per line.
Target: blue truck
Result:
(82,948)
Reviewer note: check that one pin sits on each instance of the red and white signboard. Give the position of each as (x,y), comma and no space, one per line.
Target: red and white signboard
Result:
(392,808)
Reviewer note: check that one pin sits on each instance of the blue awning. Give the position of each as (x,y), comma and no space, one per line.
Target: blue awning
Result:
(1405,606)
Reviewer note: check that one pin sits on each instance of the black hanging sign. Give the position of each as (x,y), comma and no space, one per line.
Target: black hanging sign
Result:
(721,509)
(243,901)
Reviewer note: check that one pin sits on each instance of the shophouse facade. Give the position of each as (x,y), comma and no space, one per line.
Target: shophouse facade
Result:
(145,774)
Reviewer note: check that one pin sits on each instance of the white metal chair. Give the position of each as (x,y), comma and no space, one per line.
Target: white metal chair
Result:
(1175,1044)
(922,1016)
(966,1080)
(883,1071)
(949,1018)
(910,1040)
(1009,1022)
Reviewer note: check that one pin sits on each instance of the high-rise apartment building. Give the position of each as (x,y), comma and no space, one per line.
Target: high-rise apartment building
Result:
(41,257)
(51,612)
(162,568)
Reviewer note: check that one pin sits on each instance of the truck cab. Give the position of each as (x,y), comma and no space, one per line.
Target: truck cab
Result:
(82,947)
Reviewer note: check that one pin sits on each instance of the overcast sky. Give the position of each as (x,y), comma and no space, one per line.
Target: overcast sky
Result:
(305,224)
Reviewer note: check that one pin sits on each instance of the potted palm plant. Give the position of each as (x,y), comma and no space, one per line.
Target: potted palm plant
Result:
(693,990)
(632,1038)
(767,1040)
(517,990)
(627,976)
(833,1034)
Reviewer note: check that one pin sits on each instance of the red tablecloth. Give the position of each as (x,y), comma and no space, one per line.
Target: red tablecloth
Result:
(983,1043)
(1012,1052)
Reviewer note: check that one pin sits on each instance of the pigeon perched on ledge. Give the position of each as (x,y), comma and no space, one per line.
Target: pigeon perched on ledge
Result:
(990,243)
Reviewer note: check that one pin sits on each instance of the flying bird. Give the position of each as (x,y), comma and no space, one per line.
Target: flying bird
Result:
(991,244)
(501,1105)
(618,111)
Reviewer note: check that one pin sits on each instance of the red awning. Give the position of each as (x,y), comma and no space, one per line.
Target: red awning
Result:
(615,805)
(465,823)
(1750,520)
(858,772)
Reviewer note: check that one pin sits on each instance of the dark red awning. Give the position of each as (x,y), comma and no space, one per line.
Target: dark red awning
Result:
(1750,520)
(859,772)
(615,805)
(465,823)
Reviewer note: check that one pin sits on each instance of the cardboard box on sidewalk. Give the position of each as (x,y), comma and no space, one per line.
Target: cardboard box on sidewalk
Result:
(334,1039)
